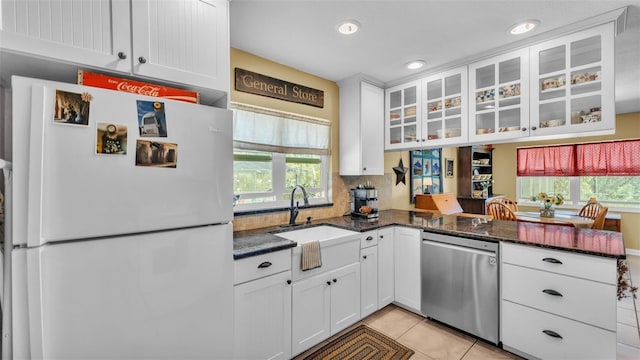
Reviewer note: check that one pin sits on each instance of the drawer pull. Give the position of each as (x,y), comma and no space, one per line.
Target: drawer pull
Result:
(552,260)
(265,264)
(381,236)
(369,238)
(551,292)
(328,282)
(288,282)
(552,334)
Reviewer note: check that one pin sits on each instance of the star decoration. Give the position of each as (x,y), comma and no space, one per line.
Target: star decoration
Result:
(400,171)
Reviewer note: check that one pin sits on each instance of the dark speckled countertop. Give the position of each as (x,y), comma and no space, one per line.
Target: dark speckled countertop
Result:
(593,242)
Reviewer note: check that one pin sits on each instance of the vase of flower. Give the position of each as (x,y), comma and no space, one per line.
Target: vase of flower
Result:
(548,203)
(547,211)
(485,188)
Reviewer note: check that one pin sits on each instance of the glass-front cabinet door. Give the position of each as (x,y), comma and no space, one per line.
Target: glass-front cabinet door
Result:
(499,97)
(444,108)
(402,114)
(573,83)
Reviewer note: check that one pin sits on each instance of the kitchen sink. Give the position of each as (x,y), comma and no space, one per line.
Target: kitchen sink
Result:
(338,247)
(321,232)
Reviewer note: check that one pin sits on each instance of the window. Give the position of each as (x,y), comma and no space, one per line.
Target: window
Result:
(609,172)
(274,152)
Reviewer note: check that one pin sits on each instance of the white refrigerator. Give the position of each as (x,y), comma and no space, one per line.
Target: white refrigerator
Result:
(121,226)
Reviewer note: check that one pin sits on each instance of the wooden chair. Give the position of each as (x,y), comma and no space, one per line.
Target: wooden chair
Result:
(507,201)
(500,211)
(596,211)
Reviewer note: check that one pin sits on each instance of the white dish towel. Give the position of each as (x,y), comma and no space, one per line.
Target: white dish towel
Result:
(311,255)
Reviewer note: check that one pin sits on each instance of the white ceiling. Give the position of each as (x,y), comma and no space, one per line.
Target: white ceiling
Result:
(302,34)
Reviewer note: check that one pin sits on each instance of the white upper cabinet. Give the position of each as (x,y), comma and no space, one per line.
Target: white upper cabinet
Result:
(361,128)
(402,115)
(444,102)
(573,83)
(181,41)
(499,97)
(84,32)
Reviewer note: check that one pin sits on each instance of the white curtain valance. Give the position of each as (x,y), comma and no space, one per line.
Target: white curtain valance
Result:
(256,128)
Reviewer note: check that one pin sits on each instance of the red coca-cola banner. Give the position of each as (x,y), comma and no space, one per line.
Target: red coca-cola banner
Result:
(137,87)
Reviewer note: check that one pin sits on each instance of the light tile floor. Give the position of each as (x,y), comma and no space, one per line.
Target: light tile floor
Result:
(431,340)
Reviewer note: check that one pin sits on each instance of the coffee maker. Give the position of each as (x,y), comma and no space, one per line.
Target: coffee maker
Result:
(364,202)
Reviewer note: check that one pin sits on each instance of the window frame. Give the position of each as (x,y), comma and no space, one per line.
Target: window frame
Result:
(278,180)
(575,203)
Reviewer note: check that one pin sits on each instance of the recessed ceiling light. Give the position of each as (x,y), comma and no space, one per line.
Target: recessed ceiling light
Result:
(348,27)
(523,27)
(415,64)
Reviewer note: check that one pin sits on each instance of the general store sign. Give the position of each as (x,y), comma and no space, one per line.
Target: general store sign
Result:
(258,84)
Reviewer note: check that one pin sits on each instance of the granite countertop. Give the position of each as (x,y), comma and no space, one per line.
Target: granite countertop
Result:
(593,242)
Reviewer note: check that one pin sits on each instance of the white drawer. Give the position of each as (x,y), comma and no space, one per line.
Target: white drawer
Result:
(523,330)
(589,267)
(258,266)
(583,300)
(369,238)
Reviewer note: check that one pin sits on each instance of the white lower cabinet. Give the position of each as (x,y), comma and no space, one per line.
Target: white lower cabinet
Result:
(324,305)
(407,243)
(263,318)
(386,281)
(369,280)
(262,308)
(557,304)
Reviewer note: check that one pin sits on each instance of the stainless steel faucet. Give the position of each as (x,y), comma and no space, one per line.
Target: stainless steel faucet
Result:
(293,210)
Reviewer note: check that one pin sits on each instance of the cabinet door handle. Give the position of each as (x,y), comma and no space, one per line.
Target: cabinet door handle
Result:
(365,169)
(381,236)
(122,55)
(289,282)
(335,280)
(369,238)
(364,257)
(552,260)
(552,334)
(328,282)
(265,264)
(142,60)
(533,128)
(551,292)
(524,129)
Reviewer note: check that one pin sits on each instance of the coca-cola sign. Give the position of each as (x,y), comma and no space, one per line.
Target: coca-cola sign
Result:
(136,87)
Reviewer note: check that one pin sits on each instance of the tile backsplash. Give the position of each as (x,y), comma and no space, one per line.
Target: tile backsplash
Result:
(340,189)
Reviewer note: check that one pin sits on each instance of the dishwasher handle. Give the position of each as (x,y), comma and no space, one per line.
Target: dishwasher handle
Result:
(461,248)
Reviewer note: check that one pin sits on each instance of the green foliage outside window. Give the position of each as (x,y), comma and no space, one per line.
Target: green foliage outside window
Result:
(613,191)
(252,173)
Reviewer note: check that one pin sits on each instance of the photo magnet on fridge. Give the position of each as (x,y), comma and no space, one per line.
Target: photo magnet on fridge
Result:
(72,108)
(111,139)
(156,154)
(151,119)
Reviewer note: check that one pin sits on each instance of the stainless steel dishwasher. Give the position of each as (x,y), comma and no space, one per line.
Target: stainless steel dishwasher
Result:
(460,283)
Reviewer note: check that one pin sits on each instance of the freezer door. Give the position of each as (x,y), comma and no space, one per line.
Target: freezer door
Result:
(73,192)
(165,295)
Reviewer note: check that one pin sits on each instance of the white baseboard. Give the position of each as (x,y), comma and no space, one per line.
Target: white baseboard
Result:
(633,252)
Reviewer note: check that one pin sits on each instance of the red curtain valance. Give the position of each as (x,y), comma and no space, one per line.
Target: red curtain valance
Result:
(547,161)
(619,158)
(616,158)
